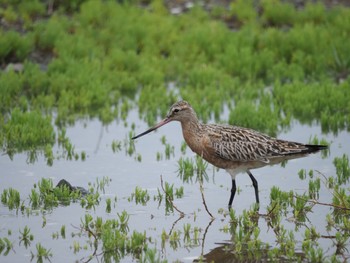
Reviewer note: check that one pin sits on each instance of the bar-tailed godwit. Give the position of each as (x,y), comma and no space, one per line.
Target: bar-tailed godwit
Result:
(235,149)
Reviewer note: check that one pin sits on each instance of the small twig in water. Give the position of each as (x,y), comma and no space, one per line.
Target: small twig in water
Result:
(204,203)
(89,231)
(182,214)
(315,202)
(205,233)
(175,222)
(269,212)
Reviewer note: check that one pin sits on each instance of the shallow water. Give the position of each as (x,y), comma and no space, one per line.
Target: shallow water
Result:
(127,173)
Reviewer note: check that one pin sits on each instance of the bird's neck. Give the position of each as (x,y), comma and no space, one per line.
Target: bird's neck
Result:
(193,134)
(192,125)
(191,129)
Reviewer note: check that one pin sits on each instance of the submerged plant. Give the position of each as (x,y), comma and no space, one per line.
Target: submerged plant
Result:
(169,150)
(11,198)
(187,169)
(112,237)
(26,237)
(63,231)
(42,253)
(342,169)
(314,188)
(5,246)
(116,146)
(123,221)
(169,197)
(179,192)
(151,255)
(108,205)
(44,196)
(141,196)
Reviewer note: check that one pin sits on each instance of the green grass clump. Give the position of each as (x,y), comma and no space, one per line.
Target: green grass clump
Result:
(14,46)
(306,101)
(261,117)
(244,11)
(48,33)
(42,253)
(45,196)
(141,196)
(189,168)
(5,246)
(277,13)
(113,237)
(26,131)
(342,169)
(11,198)
(49,196)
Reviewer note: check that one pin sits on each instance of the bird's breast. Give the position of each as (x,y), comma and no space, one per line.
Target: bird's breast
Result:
(201,145)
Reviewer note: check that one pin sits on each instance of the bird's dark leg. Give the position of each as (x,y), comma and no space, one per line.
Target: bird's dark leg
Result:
(233,192)
(255,184)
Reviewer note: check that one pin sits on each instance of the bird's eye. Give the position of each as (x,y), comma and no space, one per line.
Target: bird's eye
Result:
(176,110)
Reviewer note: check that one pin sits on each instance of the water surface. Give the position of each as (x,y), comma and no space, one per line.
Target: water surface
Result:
(126,173)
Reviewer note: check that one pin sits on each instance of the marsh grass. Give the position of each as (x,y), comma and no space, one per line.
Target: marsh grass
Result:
(112,239)
(5,246)
(45,197)
(11,198)
(140,196)
(26,237)
(275,64)
(96,64)
(42,253)
(189,169)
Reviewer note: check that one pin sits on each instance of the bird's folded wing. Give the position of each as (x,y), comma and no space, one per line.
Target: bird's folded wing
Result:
(244,151)
(247,145)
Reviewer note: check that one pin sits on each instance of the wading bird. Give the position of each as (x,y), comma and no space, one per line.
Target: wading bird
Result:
(235,149)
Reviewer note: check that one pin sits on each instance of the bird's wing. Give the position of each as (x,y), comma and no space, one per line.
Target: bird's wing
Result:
(241,144)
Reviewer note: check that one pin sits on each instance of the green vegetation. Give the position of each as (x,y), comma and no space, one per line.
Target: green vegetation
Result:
(188,168)
(141,196)
(41,253)
(5,246)
(342,169)
(11,198)
(28,131)
(114,239)
(95,62)
(245,230)
(45,196)
(26,236)
(268,62)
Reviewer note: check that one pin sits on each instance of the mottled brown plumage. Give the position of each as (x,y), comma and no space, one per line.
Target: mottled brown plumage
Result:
(232,148)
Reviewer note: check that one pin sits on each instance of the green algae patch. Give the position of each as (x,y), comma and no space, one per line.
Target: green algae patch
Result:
(26,131)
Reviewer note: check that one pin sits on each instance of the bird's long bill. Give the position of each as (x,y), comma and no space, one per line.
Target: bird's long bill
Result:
(160,124)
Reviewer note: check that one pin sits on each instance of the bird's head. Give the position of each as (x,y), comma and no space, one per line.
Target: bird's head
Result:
(179,111)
